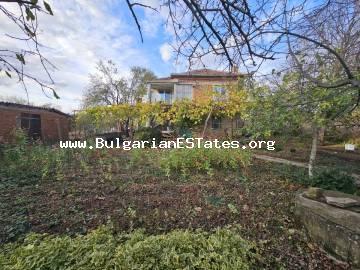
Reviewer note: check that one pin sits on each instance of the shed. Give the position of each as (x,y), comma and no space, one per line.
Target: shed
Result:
(47,124)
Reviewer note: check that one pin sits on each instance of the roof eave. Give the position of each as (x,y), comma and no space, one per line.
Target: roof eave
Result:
(31,107)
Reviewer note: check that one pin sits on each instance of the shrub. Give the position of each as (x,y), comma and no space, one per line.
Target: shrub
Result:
(148,134)
(23,163)
(333,179)
(100,249)
(29,163)
(202,160)
(141,158)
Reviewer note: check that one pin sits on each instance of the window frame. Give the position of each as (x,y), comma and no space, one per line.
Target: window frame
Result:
(165,96)
(217,122)
(31,122)
(219,95)
(239,123)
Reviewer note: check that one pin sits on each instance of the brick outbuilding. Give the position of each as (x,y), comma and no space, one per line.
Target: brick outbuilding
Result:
(47,124)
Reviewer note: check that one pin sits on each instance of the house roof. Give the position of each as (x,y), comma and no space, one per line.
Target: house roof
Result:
(30,107)
(205,73)
(165,80)
(197,73)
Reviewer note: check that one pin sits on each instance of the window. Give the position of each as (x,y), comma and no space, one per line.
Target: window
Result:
(215,123)
(239,123)
(165,96)
(32,124)
(183,91)
(219,92)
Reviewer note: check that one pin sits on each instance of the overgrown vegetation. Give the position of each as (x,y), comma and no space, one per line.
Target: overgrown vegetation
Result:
(186,161)
(148,134)
(101,249)
(333,179)
(201,160)
(181,112)
(157,191)
(325,178)
(23,163)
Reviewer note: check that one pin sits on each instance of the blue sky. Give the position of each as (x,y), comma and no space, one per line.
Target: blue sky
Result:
(82,32)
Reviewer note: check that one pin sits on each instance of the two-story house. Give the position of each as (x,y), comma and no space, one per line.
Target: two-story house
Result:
(196,85)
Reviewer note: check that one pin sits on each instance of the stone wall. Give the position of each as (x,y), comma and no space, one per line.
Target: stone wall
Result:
(336,226)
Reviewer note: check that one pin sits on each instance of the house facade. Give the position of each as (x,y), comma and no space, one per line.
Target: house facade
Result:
(196,85)
(46,124)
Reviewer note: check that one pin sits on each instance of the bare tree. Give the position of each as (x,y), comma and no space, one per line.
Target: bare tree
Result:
(137,83)
(319,68)
(241,32)
(247,33)
(13,61)
(108,87)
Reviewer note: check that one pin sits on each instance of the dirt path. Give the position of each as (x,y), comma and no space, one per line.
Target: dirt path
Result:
(281,160)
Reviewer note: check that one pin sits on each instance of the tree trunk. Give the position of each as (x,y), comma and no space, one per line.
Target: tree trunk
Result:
(315,138)
(321,135)
(127,128)
(132,128)
(206,122)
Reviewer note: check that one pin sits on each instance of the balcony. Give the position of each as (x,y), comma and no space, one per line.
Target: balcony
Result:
(168,92)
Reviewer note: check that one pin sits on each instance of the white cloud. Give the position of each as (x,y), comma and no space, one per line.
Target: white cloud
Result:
(80,33)
(166,52)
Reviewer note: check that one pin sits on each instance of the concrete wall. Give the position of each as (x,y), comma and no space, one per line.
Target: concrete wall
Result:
(336,230)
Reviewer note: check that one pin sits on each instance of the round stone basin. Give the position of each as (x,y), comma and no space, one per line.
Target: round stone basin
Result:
(332,220)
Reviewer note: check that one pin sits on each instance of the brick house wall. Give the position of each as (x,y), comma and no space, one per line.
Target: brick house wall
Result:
(203,82)
(203,90)
(203,86)
(55,125)
(226,131)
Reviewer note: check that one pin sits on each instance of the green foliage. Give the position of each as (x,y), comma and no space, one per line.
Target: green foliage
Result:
(48,8)
(269,113)
(290,173)
(101,249)
(15,224)
(233,208)
(286,108)
(23,163)
(148,134)
(201,160)
(330,179)
(333,179)
(181,113)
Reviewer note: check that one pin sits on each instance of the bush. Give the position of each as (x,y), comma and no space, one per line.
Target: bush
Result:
(100,249)
(201,160)
(148,134)
(333,179)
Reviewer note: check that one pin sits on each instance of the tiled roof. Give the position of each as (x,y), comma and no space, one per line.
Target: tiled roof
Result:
(205,73)
(30,107)
(167,79)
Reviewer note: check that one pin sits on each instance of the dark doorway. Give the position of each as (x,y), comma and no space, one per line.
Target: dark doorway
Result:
(32,124)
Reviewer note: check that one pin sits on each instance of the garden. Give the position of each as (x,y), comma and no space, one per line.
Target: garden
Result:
(152,209)
(285,74)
